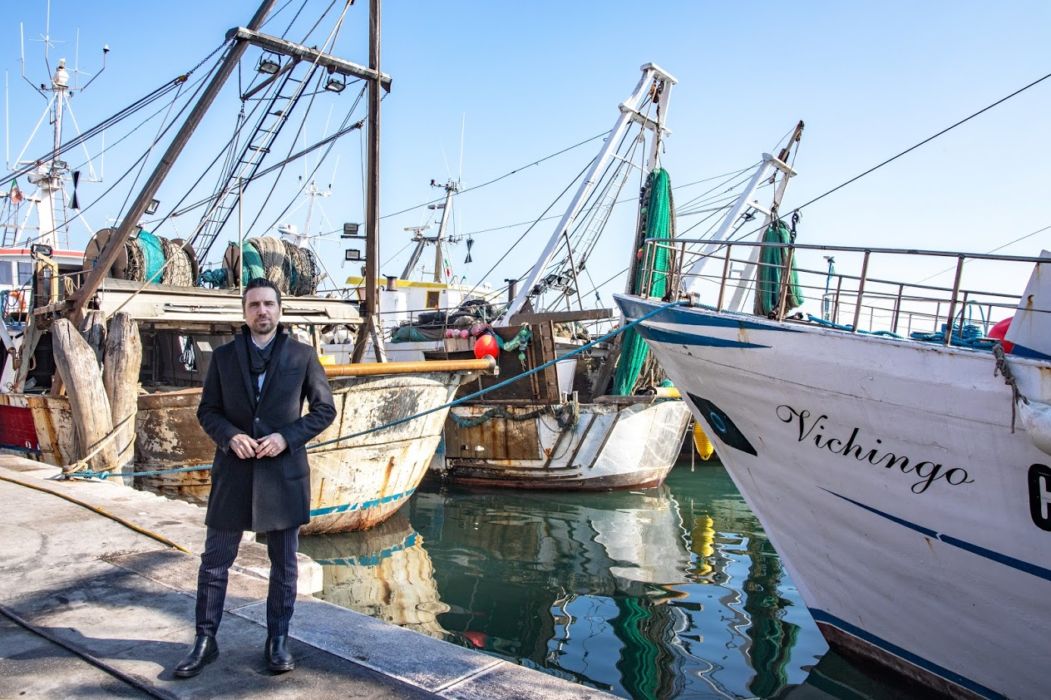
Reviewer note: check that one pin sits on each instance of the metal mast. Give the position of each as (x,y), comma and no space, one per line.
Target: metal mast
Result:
(654,81)
(370,328)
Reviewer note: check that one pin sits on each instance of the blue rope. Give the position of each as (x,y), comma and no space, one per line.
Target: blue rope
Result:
(847,327)
(470,397)
(89,474)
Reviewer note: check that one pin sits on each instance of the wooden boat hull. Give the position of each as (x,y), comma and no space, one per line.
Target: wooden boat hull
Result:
(355,484)
(612,445)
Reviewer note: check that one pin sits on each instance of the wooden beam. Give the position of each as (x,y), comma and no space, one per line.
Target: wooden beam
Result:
(561,316)
(485,365)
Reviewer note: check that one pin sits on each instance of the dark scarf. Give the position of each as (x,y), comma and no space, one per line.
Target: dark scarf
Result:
(259,358)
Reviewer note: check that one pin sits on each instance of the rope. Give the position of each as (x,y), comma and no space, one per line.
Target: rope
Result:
(501,177)
(1004,370)
(106,473)
(925,141)
(499,385)
(83,462)
(116,518)
(571,415)
(276,266)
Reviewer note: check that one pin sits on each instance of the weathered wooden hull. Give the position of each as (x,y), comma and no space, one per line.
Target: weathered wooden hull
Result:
(612,445)
(355,483)
(38,425)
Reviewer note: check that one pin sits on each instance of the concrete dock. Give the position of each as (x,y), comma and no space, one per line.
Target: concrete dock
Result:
(95,606)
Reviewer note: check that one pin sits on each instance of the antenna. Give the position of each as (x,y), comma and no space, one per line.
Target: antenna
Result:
(463,127)
(7,123)
(22,60)
(50,173)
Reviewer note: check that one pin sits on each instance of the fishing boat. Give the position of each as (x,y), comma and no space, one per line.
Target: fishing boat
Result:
(421,311)
(893,442)
(566,428)
(135,309)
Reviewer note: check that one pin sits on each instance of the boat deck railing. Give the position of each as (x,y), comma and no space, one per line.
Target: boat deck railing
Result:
(869,290)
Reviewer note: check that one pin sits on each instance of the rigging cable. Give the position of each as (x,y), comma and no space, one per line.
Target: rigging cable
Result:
(115,118)
(343,129)
(501,177)
(526,232)
(142,157)
(924,141)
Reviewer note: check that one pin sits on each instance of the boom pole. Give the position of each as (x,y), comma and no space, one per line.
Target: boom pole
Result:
(116,242)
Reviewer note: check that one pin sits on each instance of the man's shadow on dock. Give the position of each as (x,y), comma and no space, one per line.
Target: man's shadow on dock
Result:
(137,616)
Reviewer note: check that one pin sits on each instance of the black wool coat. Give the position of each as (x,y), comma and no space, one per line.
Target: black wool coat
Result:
(272,493)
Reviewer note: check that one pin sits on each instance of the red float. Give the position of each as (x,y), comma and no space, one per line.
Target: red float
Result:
(486,345)
(999,331)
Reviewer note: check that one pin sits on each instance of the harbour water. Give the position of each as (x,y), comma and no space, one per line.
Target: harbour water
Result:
(666,593)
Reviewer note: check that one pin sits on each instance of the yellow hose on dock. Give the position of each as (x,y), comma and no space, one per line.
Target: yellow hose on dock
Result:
(116,518)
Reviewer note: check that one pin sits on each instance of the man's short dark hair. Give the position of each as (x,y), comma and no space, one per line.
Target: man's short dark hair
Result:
(258,282)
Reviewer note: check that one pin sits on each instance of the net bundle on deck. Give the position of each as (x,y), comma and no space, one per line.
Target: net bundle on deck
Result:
(293,269)
(157,260)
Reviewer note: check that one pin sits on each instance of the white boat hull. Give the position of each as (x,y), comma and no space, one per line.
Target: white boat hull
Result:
(915,522)
(611,445)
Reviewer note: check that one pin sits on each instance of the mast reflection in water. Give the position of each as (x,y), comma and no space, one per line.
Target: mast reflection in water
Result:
(670,592)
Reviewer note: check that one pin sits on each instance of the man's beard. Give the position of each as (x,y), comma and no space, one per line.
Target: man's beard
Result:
(262,326)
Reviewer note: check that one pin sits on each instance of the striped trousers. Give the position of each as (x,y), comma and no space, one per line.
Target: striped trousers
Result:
(220,550)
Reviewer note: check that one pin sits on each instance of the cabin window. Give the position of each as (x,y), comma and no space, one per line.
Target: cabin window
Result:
(25,272)
(5,273)
(433,300)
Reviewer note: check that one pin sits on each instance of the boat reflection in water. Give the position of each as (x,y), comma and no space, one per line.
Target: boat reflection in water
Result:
(671,592)
(384,572)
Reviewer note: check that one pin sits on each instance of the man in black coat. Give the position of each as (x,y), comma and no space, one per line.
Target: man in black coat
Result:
(252,407)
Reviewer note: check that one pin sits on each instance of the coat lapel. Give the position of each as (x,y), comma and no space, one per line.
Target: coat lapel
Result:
(242,361)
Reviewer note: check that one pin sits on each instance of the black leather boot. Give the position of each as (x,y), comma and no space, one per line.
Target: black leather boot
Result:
(204,651)
(278,657)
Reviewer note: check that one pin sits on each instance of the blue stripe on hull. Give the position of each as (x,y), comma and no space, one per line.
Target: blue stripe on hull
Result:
(360,506)
(685,316)
(664,335)
(820,616)
(998,557)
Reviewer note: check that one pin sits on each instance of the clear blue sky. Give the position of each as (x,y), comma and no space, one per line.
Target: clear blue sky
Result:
(532,78)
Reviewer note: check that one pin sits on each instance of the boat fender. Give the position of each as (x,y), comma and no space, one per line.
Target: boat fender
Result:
(1036,417)
(701,443)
